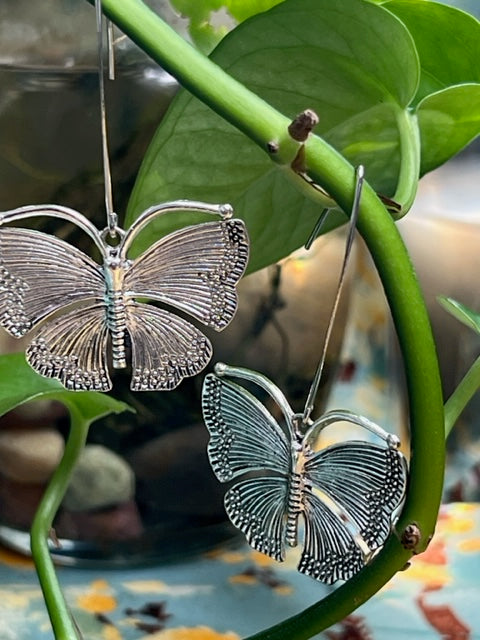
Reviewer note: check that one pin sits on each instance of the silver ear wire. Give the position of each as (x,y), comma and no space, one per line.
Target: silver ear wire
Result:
(112,220)
(317,228)
(111,50)
(359,177)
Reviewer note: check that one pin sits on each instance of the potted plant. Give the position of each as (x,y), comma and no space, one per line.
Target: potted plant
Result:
(394,91)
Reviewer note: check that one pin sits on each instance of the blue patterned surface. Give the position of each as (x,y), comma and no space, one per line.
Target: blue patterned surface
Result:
(232,593)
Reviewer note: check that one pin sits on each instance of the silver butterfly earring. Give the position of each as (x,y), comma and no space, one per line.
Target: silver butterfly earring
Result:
(194,270)
(346,494)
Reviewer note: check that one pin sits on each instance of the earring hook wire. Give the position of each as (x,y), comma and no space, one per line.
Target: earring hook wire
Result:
(112,219)
(359,178)
(317,228)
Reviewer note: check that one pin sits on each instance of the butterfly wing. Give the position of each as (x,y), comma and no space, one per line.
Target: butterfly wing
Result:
(257,507)
(195,269)
(40,274)
(245,437)
(330,552)
(366,482)
(73,349)
(165,348)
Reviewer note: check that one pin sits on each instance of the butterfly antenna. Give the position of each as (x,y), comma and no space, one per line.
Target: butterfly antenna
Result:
(107,174)
(359,177)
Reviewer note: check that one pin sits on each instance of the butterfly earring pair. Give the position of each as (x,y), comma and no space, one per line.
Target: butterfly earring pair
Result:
(346,494)
(78,309)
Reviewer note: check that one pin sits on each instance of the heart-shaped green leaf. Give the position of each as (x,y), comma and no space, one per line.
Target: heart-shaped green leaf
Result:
(461,312)
(447,41)
(448,121)
(353,62)
(243,9)
(209,19)
(21,384)
(448,98)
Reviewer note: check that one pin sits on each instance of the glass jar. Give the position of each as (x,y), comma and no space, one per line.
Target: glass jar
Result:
(164,500)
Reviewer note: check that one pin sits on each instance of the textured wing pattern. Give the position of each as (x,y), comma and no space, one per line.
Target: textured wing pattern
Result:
(330,552)
(346,493)
(72,348)
(367,480)
(40,274)
(257,507)
(194,269)
(166,348)
(244,436)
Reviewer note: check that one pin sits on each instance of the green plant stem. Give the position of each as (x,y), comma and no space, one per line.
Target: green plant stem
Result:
(62,622)
(201,76)
(410,153)
(462,395)
(426,407)
(263,124)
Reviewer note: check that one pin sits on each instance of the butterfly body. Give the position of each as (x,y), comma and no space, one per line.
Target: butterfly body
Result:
(116,301)
(81,310)
(294,508)
(344,495)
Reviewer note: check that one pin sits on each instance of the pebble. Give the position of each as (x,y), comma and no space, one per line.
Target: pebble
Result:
(35,414)
(30,456)
(119,523)
(174,476)
(100,479)
(18,502)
